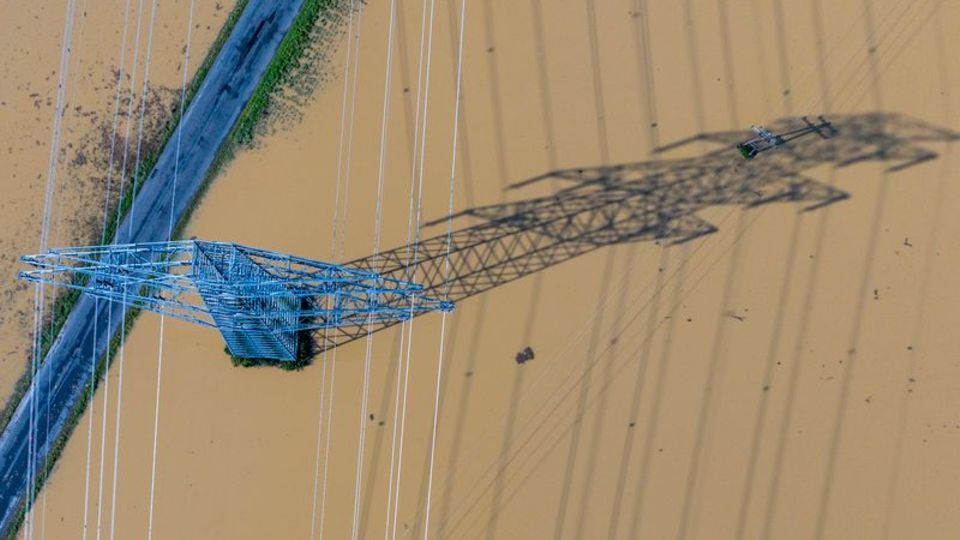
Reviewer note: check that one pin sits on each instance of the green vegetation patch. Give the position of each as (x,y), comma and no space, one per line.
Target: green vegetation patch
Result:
(289,55)
(306,350)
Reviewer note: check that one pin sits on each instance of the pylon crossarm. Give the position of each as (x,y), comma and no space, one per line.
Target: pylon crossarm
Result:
(109,278)
(258,299)
(134,297)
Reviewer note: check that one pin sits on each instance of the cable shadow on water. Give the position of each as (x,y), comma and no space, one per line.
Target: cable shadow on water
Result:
(640,30)
(404,58)
(516,393)
(847,372)
(607,377)
(500,154)
(717,361)
(918,340)
(570,467)
(378,421)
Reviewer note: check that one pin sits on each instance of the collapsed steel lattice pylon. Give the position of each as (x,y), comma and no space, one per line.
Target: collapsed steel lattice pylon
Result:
(259,300)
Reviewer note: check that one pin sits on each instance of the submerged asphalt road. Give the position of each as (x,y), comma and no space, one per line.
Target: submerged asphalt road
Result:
(65,374)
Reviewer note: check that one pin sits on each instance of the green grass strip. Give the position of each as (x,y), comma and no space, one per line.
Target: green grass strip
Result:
(287,59)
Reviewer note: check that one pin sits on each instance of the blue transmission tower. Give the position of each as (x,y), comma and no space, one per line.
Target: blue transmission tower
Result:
(260,300)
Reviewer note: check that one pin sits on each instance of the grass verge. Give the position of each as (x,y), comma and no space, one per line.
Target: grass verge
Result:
(284,63)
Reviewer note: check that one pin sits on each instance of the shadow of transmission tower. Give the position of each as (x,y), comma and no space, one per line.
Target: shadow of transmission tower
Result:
(648,201)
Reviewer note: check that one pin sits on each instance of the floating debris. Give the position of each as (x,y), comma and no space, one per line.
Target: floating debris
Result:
(525,355)
(734,315)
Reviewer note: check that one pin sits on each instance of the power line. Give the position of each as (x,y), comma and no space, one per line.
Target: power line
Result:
(376,250)
(170,223)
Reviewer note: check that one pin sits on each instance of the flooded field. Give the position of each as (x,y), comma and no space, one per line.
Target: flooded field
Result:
(792,374)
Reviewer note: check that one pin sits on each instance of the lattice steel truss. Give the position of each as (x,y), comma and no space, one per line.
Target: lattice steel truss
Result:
(598,207)
(259,300)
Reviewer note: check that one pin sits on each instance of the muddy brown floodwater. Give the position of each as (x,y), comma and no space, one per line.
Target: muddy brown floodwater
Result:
(740,408)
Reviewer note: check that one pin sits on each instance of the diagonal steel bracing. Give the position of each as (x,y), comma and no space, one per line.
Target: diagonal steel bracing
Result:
(261,301)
